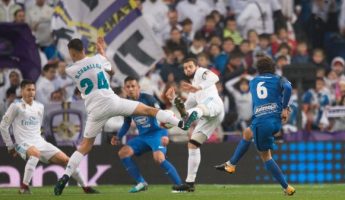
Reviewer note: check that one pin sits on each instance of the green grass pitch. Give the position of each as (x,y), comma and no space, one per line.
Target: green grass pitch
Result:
(207,192)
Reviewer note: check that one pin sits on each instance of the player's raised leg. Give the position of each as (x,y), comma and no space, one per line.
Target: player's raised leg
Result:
(125,154)
(241,149)
(33,155)
(62,159)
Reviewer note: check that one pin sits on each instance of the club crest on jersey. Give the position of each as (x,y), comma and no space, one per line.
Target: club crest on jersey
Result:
(23,105)
(204,75)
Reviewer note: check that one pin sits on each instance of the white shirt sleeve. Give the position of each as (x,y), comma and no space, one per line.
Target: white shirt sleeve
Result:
(208,79)
(6,122)
(105,63)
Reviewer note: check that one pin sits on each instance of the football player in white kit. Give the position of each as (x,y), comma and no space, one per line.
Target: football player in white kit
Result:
(203,103)
(89,74)
(26,117)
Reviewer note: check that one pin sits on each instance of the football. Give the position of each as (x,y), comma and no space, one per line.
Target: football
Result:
(167,125)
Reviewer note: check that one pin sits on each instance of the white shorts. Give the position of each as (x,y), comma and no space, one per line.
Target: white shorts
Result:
(47,150)
(207,125)
(109,107)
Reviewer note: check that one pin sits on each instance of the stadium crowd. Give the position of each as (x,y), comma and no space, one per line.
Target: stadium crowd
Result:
(225,36)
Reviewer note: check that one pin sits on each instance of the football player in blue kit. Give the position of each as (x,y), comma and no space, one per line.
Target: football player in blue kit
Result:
(149,139)
(270,94)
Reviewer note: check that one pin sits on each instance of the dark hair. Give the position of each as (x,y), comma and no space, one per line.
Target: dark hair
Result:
(10,91)
(265,65)
(48,66)
(230,19)
(319,79)
(264,36)
(228,39)
(282,58)
(195,62)
(245,41)
(26,82)
(209,17)
(187,21)
(17,11)
(284,45)
(75,44)
(131,78)
(236,54)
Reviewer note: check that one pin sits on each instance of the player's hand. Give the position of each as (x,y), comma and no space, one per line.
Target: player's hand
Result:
(170,93)
(285,115)
(115,141)
(100,45)
(12,152)
(187,87)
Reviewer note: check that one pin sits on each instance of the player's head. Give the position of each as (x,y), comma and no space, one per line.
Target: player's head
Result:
(132,87)
(28,90)
(190,65)
(76,49)
(265,65)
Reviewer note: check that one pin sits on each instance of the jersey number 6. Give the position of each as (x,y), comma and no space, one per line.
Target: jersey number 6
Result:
(261,90)
(102,83)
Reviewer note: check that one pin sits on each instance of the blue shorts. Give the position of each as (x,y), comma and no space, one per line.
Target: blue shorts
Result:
(148,142)
(263,133)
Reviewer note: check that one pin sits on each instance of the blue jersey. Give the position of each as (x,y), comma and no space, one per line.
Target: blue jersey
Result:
(270,94)
(145,124)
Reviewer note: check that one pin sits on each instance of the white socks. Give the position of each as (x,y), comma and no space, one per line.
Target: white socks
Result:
(29,169)
(73,163)
(167,117)
(78,177)
(194,158)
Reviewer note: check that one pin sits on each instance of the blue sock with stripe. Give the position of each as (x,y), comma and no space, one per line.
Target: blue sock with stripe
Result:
(241,149)
(132,169)
(171,172)
(272,166)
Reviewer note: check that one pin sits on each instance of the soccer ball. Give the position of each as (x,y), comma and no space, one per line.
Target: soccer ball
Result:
(167,125)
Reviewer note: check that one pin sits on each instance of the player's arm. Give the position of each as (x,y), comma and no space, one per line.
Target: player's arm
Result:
(115,140)
(287,88)
(6,122)
(100,45)
(209,78)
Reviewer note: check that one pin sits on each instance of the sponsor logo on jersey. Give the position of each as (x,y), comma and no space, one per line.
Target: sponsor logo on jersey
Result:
(32,121)
(266,109)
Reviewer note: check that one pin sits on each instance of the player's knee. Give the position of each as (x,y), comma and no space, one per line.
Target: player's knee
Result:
(165,141)
(247,134)
(159,158)
(34,152)
(265,155)
(125,152)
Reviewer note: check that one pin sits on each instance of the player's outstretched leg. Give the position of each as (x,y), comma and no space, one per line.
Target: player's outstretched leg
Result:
(241,149)
(33,153)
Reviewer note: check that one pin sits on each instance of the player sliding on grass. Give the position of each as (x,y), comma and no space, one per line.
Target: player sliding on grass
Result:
(270,94)
(26,117)
(149,139)
(89,74)
(203,103)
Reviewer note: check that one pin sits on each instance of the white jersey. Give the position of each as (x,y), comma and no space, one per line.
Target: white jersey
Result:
(89,74)
(26,121)
(206,80)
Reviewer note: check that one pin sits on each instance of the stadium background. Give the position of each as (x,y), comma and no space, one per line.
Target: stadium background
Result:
(306,38)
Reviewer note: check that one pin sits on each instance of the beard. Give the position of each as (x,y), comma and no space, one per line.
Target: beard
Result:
(191,76)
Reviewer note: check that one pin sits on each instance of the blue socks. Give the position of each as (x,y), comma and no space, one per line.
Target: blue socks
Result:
(272,166)
(171,171)
(132,169)
(241,149)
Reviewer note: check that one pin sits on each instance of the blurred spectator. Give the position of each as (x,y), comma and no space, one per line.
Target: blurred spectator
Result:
(338,65)
(39,19)
(234,67)
(5,103)
(283,37)
(45,84)
(231,30)
(243,99)
(57,96)
(222,59)
(19,16)
(284,50)
(7,10)
(314,103)
(155,12)
(253,39)
(209,29)
(342,19)
(318,59)
(64,82)
(152,84)
(217,5)
(301,56)
(264,46)
(173,23)
(256,15)
(197,47)
(196,10)
(187,31)
(204,61)
(247,52)
(13,79)
(280,63)
(76,95)
(236,7)
(176,41)
(171,70)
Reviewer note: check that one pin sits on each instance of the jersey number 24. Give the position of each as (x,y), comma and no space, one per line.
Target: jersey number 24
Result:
(261,90)
(102,83)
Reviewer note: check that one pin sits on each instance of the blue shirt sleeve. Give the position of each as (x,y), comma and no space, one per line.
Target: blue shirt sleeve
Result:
(125,126)
(151,101)
(287,88)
